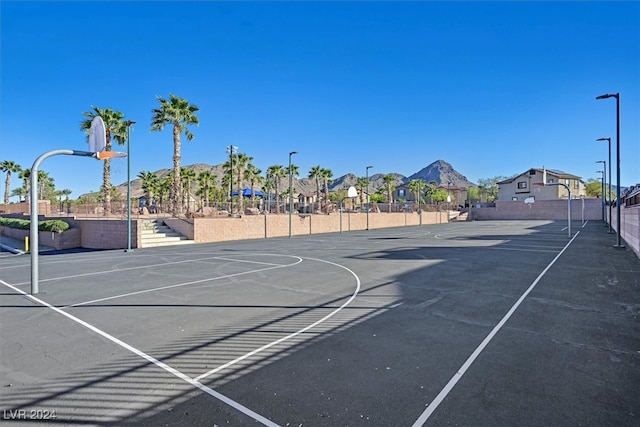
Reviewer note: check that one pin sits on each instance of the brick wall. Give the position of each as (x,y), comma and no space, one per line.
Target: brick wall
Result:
(44,208)
(630,232)
(265,226)
(541,209)
(108,234)
(182,226)
(67,240)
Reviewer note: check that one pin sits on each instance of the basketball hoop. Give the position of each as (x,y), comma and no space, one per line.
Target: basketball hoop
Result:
(104,155)
(97,135)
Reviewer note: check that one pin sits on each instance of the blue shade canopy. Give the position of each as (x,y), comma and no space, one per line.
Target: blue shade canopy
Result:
(247,193)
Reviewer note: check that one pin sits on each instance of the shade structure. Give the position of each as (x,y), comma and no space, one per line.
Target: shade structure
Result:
(247,193)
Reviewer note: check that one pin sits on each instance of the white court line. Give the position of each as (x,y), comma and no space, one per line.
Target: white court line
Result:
(130,268)
(303,330)
(463,369)
(177,285)
(116,270)
(248,412)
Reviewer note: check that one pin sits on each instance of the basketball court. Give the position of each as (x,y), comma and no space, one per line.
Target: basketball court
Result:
(475,323)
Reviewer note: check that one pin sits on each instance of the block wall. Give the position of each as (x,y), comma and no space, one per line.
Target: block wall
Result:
(108,234)
(541,209)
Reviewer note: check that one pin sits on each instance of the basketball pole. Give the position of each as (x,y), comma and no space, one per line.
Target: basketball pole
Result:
(33,226)
(129,123)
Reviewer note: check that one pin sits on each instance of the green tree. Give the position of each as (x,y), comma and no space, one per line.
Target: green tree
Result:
(593,187)
(326,175)
(188,178)
(179,113)
(25,176)
(115,129)
(241,162)
(9,167)
(315,173)
(46,187)
(437,194)
(361,186)
(253,175)
(489,186)
(206,179)
(388,181)
(150,183)
(164,188)
(474,194)
(21,193)
(275,173)
(416,186)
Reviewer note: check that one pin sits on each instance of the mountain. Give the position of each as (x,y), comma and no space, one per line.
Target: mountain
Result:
(442,173)
(438,171)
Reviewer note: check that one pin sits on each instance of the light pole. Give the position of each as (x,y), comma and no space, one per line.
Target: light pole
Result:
(368,207)
(129,123)
(618,198)
(231,149)
(610,193)
(290,190)
(448,200)
(603,181)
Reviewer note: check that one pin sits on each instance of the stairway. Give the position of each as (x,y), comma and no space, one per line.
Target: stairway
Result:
(157,234)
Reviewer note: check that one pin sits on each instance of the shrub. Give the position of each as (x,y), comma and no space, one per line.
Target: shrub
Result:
(54,225)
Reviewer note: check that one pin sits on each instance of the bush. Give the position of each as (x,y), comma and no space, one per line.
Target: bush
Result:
(54,225)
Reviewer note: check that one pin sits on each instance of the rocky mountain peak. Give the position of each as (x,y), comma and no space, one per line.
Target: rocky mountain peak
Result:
(442,173)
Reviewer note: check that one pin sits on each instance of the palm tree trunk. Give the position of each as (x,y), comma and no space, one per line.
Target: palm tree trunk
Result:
(106,177)
(175,187)
(7,187)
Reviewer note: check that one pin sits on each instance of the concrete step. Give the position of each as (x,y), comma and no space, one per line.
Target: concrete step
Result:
(167,243)
(154,235)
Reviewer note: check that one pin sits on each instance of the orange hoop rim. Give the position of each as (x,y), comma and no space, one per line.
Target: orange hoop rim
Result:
(104,155)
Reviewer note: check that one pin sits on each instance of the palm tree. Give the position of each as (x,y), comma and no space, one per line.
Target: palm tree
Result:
(388,180)
(21,193)
(276,173)
(179,113)
(115,128)
(150,183)
(241,161)
(252,174)
(188,177)
(8,166)
(164,189)
(316,174)
(416,186)
(206,180)
(45,184)
(295,172)
(361,186)
(65,192)
(25,176)
(326,177)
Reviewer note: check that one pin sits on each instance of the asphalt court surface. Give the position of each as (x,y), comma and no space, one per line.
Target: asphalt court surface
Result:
(475,323)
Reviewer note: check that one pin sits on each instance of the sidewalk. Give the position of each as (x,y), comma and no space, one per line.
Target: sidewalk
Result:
(8,244)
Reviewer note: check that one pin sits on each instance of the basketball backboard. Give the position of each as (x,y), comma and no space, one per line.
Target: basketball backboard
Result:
(97,135)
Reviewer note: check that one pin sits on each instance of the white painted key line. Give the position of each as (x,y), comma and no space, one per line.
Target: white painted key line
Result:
(196,382)
(467,364)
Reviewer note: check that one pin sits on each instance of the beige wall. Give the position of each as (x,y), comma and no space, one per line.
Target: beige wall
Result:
(108,234)
(630,232)
(44,208)
(541,209)
(68,240)
(265,226)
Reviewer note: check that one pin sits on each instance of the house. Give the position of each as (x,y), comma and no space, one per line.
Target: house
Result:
(529,184)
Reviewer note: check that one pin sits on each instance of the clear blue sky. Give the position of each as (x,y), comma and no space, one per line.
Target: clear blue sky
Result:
(492,88)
